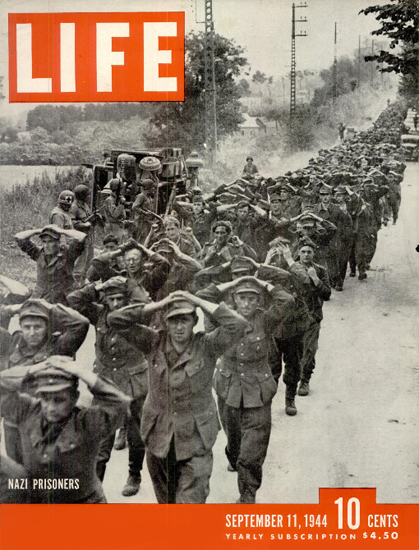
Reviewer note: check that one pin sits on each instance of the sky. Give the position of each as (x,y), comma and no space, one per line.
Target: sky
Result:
(262,27)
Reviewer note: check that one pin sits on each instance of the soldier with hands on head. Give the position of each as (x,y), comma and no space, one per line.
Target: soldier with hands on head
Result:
(180,422)
(60,441)
(55,261)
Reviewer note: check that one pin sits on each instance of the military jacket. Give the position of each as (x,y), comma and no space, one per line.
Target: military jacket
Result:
(180,403)
(118,355)
(244,377)
(72,455)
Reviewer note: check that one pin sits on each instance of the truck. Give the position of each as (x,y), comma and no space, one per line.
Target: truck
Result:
(166,166)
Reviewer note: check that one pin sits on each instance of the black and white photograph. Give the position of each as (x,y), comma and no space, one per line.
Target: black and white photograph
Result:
(214,300)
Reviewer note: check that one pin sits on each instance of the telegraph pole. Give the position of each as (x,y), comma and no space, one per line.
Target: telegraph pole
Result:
(359,61)
(293,61)
(372,64)
(210,88)
(335,68)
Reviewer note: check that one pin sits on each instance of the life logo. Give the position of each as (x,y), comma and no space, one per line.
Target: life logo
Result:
(89,57)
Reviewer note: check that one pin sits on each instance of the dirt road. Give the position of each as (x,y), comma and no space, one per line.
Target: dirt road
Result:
(359,425)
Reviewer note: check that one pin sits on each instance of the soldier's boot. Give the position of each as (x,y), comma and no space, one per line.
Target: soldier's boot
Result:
(132,485)
(290,408)
(304,388)
(121,440)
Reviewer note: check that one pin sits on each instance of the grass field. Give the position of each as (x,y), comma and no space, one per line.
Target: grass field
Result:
(28,206)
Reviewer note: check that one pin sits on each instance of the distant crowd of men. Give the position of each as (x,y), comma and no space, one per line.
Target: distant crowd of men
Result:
(257,257)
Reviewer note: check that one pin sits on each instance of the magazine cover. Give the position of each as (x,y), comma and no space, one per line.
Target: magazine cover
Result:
(209,274)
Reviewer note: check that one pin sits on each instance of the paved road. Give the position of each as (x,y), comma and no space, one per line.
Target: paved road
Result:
(359,426)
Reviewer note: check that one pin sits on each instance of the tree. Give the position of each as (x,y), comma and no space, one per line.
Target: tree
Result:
(183,123)
(399,21)
(244,88)
(259,78)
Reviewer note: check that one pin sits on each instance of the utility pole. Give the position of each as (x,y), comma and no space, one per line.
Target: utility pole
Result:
(335,69)
(210,88)
(359,61)
(293,62)
(372,63)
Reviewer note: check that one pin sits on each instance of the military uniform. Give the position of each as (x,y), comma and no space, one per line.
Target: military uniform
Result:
(67,330)
(180,422)
(245,388)
(66,450)
(314,297)
(118,358)
(80,212)
(54,278)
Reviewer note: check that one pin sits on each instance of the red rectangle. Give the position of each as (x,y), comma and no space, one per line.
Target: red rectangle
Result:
(95,57)
(345,518)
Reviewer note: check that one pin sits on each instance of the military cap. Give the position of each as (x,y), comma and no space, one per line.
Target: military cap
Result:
(197,198)
(163,247)
(307,219)
(52,378)
(33,308)
(289,187)
(110,239)
(226,196)
(249,158)
(240,263)
(172,219)
(242,204)
(247,287)
(50,232)
(325,189)
(179,306)
(306,241)
(275,197)
(115,285)
(341,190)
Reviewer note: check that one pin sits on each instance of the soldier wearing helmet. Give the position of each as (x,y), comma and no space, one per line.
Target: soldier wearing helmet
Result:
(81,215)
(60,215)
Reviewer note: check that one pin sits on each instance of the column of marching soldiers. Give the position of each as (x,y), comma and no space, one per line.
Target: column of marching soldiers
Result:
(258,257)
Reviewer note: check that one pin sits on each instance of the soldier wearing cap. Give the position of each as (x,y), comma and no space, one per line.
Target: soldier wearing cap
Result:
(45,330)
(281,270)
(315,294)
(107,267)
(55,261)
(224,246)
(244,382)
(395,194)
(120,359)
(339,246)
(181,270)
(201,219)
(246,224)
(60,441)
(180,422)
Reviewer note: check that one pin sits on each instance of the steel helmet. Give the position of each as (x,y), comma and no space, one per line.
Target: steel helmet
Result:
(81,192)
(66,198)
